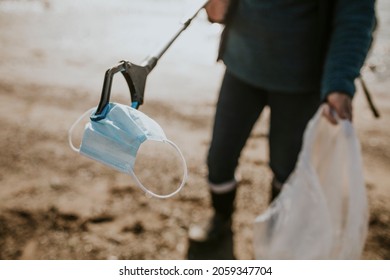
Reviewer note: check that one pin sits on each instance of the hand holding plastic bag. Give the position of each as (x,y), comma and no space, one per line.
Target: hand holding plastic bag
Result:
(322,211)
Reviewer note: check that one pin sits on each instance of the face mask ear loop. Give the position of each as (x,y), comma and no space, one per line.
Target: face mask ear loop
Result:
(185,175)
(71,129)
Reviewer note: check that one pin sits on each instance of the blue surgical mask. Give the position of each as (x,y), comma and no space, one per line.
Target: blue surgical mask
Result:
(115,138)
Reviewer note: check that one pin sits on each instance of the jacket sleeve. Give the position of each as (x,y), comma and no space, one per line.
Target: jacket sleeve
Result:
(350,40)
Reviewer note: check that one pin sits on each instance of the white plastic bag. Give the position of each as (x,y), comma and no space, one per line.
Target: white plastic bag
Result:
(322,211)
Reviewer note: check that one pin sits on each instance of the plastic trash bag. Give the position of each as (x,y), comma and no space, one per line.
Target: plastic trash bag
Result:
(322,211)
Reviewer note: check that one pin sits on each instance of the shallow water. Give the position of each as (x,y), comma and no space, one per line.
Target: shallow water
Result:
(72,43)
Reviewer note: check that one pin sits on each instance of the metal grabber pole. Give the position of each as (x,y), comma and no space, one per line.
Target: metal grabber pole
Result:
(136,75)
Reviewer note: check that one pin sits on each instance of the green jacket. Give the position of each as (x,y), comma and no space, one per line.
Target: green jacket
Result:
(299,45)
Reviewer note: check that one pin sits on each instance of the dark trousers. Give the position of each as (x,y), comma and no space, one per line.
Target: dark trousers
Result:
(239,106)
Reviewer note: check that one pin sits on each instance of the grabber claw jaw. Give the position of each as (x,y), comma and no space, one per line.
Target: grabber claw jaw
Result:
(135,77)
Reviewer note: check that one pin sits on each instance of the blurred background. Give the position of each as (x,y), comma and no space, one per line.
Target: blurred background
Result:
(55,204)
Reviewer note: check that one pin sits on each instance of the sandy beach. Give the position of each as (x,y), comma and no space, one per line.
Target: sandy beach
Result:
(56,204)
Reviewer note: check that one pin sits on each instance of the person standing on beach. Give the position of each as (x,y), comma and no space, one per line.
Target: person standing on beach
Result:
(289,55)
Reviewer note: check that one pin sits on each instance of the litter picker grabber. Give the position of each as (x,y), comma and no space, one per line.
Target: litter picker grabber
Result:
(136,75)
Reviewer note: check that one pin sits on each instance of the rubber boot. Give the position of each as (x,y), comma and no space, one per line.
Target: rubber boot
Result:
(214,239)
(276,188)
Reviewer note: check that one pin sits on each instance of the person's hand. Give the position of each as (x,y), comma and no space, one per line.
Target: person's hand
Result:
(216,10)
(341,104)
